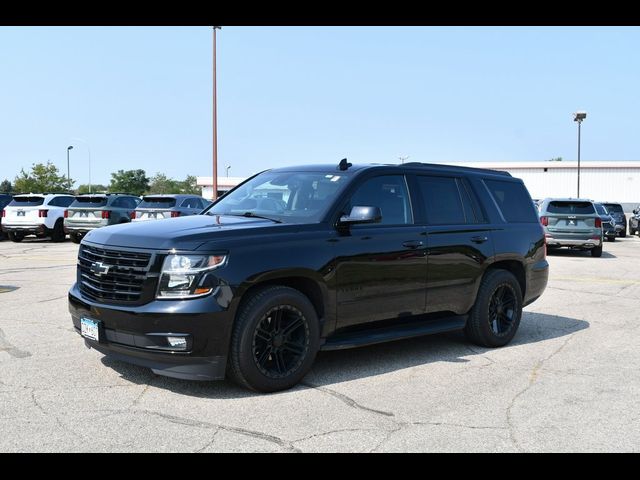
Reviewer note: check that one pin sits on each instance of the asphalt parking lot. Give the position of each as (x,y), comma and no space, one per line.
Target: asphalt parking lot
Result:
(568,382)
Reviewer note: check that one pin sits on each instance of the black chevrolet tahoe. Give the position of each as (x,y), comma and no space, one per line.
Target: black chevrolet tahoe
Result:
(301,259)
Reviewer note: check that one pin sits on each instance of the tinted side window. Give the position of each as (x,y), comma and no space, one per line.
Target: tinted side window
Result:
(442,200)
(132,203)
(61,201)
(513,201)
(389,193)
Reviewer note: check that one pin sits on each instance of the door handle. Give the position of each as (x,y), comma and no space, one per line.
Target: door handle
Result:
(479,239)
(413,244)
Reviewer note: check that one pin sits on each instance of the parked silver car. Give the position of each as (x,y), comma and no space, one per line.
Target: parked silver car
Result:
(573,223)
(157,207)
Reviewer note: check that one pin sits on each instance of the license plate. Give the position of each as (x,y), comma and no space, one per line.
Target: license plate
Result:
(90,329)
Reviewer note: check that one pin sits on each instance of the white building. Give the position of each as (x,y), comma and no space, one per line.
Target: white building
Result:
(607,181)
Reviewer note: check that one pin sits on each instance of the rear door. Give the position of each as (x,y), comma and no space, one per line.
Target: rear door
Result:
(24,210)
(459,242)
(570,217)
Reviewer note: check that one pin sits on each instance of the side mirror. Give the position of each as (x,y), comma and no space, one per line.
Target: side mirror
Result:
(361,214)
(635,210)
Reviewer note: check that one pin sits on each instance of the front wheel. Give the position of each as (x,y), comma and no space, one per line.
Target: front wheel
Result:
(495,317)
(275,340)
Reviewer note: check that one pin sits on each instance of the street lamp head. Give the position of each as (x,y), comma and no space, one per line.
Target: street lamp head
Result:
(70,147)
(579,116)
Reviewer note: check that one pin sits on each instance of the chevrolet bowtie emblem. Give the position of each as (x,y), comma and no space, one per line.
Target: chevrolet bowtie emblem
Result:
(99,268)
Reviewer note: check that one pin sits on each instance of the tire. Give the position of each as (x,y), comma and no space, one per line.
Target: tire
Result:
(57,234)
(623,233)
(16,237)
(251,362)
(76,237)
(596,251)
(612,238)
(488,325)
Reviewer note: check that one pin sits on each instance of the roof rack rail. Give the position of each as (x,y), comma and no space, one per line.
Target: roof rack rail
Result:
(455,167)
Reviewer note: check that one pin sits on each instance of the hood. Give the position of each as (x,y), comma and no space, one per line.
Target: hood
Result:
(181,233)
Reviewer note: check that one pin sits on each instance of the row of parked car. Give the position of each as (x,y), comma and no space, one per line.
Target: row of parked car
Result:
(55,215)
(584,224)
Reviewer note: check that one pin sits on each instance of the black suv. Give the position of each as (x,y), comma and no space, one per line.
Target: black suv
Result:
(296,260)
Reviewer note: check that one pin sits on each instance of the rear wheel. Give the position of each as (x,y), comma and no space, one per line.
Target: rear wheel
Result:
(623,233)
(596,251)
(57,234)
(16,237)
(495,317)
(76,237)
(275,340)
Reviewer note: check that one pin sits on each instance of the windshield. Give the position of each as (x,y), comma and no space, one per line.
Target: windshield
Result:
(283,196)
(89,202)
(614,207)
(157,202)
(26,201)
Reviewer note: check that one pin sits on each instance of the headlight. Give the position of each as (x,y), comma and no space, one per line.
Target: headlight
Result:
(182,274)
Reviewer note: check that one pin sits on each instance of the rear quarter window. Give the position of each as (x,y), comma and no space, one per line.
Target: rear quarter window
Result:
(513,200)
(570,208)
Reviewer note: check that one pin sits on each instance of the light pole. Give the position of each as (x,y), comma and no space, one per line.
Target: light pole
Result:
(215,120)
(579,116)
(228,167)
(70,147)
(88,150)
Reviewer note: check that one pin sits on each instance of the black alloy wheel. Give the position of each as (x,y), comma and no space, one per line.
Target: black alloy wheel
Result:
(275,339)
(281,341)
(502,309)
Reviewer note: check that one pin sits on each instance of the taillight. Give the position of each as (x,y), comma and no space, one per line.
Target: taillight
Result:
(42,213)
(106,213)
(175,214)
(4,214)
(132,215)
(598,223)
(544,221)
(66,214)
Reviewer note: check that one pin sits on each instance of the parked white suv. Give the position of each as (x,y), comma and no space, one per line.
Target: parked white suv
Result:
(39,214)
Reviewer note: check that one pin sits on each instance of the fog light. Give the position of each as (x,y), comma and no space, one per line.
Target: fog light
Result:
(179,343)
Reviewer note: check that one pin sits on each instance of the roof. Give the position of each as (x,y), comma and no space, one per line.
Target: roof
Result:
(552,165)
(171,195)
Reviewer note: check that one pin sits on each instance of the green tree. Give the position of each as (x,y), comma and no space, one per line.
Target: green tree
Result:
(189,185)
(6,187)
(97,188)
(160,183)
(43,178)
(129,181)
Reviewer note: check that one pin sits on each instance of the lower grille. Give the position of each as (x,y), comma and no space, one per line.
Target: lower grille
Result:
(113,275)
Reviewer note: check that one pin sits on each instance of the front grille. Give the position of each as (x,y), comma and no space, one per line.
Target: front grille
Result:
(125,281)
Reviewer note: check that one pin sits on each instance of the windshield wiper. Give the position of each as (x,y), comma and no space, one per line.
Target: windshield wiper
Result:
(247,214)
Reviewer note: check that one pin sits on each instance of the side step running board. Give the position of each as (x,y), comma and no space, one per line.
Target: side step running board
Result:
(374,335)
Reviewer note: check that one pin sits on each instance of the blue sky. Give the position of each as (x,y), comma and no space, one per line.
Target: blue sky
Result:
(140,97)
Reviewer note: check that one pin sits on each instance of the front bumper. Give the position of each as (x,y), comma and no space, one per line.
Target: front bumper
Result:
(137,334)
(35,228)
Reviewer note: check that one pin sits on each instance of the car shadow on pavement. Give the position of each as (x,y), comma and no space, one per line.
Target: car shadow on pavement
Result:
(345,365)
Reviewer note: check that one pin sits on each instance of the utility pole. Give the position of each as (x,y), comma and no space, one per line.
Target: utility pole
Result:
(215,120)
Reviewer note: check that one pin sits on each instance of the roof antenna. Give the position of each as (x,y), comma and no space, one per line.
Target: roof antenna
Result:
(344,164)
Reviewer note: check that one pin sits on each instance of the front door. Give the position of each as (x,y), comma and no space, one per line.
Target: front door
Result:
(381,268)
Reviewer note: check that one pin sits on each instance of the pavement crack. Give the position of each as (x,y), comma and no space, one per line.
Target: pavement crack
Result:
(52,299)
(533,378)
(209,443)
(6,346)
(348,400)
(457,425)
(242,431)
